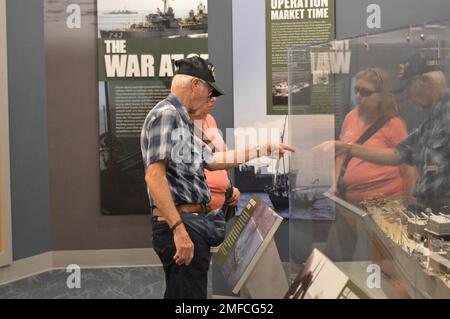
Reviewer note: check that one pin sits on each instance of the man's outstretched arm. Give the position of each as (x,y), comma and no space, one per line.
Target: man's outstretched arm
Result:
(376,155)
(234,158)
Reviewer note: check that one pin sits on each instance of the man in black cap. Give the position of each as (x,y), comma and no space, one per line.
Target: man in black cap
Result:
(184,228)
(428,146)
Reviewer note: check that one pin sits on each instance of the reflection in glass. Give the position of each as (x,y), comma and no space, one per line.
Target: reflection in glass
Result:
(392,209)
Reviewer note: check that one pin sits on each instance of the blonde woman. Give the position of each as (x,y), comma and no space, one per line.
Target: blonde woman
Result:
(361,180)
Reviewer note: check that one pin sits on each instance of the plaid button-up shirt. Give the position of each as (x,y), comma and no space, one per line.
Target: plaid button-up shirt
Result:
(428,148)
(168,134)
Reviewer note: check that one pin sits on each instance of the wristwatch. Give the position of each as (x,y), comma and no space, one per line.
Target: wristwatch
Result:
(349,147)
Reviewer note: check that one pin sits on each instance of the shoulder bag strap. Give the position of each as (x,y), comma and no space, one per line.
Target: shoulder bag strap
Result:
(367,134)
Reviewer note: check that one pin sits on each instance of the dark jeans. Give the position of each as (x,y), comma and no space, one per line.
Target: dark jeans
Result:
(188,282)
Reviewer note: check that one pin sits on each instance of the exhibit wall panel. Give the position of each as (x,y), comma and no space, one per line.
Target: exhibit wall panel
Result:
(28,128)
(5,192)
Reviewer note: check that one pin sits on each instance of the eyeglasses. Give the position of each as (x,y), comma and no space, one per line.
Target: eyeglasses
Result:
(210,89)
(364,92)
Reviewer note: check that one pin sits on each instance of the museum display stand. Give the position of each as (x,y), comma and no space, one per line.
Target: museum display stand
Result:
(268,272)
(249,258)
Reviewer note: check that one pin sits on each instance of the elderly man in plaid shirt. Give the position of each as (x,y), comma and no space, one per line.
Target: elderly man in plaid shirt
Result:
(184,228)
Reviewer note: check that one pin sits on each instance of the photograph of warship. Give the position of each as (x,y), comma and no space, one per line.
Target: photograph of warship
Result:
(417,246)
(283,186)
(163,24)
(124,11)
(320,278)
(249,178)
(300,93)
(279,190)
(280,93)
(195,23)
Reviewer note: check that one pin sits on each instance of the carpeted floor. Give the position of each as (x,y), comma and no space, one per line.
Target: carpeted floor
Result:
(111,283)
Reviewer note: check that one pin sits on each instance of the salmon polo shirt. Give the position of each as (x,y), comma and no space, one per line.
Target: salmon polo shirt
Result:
(366,180)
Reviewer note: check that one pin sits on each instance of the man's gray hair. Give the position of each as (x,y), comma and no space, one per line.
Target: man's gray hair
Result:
(437,77)
(181,81)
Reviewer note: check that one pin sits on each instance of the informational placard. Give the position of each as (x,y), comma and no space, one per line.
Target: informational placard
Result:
(246,242)
(320,278)
(138,42)
(290,23)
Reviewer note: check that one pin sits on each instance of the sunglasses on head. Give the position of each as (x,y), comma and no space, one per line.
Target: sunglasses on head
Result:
(364,92)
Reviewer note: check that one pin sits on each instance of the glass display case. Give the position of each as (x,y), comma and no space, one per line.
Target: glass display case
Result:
(371,220)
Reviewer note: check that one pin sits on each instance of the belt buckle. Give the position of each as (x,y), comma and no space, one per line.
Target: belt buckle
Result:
(206,209)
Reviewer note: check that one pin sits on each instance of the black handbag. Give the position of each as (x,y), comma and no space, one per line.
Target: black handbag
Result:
(229,211)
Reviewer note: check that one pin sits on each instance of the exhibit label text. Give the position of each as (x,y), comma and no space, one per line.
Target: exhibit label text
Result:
(119,64)
(299,9)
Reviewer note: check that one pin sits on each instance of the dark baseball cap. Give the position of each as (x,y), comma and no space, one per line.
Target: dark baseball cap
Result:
(199,68)
(416,64)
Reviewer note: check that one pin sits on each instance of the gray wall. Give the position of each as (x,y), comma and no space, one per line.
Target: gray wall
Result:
(28,129)
(351,15)
(220,46)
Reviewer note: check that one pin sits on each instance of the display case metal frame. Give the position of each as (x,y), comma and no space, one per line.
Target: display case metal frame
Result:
(5,186)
